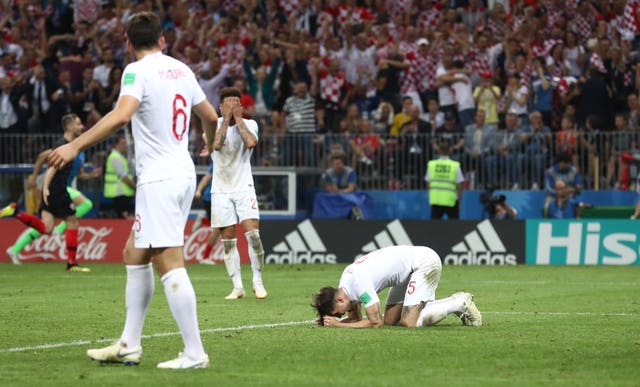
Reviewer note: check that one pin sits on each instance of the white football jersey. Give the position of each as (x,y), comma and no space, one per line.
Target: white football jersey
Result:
(167,90)
(232,171)
(378,270)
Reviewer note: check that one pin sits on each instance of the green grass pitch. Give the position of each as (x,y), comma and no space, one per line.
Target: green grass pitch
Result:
(573,326)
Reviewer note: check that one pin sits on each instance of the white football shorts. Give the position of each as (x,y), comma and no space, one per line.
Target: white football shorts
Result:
(421,284)
(162,209)
(227,209)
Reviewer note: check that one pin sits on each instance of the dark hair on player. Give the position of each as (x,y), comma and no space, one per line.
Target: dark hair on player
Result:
(143,30)
(229,92)
(323,301)
(67,119)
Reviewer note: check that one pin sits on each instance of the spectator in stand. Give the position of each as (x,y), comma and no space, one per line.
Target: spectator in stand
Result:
(332,88)
(633,109)
(486,97)
(102,70)
(383,119)
(462,91)
(261,88)
(401,117)
(623,140)
(414,145)
(515,98)
(423,64)
(451,133)
(536,138)
(444,81)
(300,122)
(506,158)
(391,73)
(569,139)
(564,171)
(479,142)
(434,116)
(339,177)
(542,91)
(60,101)
(213,79)
(366,150)
(594,97)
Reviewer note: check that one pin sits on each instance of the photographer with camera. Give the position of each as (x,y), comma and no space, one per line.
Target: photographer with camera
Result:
(496,206)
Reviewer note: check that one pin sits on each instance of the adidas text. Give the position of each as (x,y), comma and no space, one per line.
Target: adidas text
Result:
(485,258)
(292,257)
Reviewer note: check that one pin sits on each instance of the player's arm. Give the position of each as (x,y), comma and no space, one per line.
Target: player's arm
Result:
(109,124)
(45,185)
(248,138)
(221,132)
(40,160)
(209,118)
(202,184)
(373,320)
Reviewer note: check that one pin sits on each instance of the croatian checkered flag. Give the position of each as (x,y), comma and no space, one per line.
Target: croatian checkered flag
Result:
(596,62)
(631,22)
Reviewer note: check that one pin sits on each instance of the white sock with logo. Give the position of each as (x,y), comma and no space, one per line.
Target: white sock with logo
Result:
(436,311)
(232,261)
(256,255)
(182,302)
(138,292)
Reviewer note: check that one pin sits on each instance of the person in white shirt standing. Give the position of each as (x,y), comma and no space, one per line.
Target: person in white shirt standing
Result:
(233,194)
(157,95)
(412,273)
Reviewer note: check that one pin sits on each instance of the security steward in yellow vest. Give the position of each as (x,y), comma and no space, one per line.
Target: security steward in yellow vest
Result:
(444,182)
(118,181)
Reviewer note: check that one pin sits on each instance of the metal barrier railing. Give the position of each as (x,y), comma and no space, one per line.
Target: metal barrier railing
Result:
(399,162)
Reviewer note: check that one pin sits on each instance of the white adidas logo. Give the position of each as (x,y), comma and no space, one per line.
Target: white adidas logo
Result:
(393,235)
(481,246)
(302,245)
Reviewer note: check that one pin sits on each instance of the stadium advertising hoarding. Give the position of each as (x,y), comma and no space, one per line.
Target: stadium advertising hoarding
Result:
(341,241)
(102,240)
(583,242)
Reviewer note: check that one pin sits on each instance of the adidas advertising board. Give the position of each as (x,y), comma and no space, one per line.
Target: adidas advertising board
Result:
(343,241)
(583,242)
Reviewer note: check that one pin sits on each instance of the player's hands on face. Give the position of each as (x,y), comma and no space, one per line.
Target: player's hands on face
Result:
(62,155)
(226,109)
(237,110)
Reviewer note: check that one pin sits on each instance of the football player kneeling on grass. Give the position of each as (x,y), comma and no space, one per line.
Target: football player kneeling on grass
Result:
(412,273)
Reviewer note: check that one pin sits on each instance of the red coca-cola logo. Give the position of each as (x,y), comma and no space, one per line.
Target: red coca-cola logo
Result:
(92,246)
(195,245)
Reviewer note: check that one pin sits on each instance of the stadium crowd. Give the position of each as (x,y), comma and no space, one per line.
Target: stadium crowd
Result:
(508,85)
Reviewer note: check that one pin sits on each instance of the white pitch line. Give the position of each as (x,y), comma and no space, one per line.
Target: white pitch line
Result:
(289,323)
(162,334)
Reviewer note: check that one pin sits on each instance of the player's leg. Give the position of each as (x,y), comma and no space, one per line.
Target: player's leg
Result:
(83,206)
(392,314)
(71,244)
(247,208)
(213,238)
(27,236)
(224,218)
(27,219)
(138,293)
(181,297)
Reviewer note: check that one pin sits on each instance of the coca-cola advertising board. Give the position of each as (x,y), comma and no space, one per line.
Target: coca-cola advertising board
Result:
(102,240)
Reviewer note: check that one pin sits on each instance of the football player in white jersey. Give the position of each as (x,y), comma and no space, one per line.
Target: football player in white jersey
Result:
(233,195)
(412,273)
(158,94)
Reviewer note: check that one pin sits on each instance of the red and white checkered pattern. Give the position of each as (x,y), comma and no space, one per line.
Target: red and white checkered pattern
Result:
(332,87)
(406,47)
(423,69)
(631,23)
(548,45)
(583,27)
(596,61)
(355,15)
(563,85)
(525,74)
(480,61)
(289,7)
(496,28)
(233,54)
(398,7)
(407,82)
(429,18)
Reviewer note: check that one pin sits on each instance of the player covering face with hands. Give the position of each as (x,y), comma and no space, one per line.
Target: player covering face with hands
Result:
(412,273)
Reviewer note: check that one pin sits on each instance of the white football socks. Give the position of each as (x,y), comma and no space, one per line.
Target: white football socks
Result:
(182,302)
(232,262)
(436,311)
(138,292)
